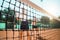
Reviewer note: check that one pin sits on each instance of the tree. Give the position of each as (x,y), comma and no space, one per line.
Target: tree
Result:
(9,14)
(0,14)
(7,17)
(55,23)
(45,20)
(59,17)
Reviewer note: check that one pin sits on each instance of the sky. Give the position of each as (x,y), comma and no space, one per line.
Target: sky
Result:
(52,6)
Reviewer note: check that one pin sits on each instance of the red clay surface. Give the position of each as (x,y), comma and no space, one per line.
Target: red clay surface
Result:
(49,34)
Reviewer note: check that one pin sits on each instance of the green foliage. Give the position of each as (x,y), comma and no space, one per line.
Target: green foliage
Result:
(1,29)
(38,24)
(55,23)
(45,20)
